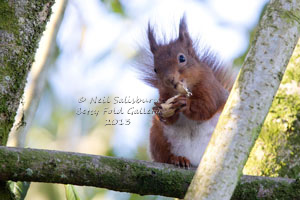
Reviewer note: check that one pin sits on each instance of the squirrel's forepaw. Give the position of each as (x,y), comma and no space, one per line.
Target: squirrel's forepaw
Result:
(170,107)
(179,103)
(180,161)
(158,111)
(163,110)
(157,108)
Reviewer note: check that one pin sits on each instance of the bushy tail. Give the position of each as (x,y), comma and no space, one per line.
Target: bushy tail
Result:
(143,65)
(225,74)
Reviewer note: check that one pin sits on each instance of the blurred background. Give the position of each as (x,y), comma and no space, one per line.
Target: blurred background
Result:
(92,53)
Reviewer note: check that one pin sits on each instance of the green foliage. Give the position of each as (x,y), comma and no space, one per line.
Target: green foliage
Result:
(148,197)
(5,192)
(115,6)
(293,72)
(19,189)
(71,193)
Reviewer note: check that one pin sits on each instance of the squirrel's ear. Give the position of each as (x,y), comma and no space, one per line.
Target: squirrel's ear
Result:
(184,35)
(152,41)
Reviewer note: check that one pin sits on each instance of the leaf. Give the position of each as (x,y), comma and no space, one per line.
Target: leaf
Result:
(71,193)
(19,189)
(115,6)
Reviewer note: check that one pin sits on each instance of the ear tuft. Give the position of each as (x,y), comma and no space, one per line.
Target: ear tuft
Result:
(184,35)
(152,42)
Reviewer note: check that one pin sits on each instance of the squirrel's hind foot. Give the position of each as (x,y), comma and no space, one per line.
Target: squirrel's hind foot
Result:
(180,161)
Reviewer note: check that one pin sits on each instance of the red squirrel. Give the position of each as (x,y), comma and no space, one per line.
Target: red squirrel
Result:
(193,88)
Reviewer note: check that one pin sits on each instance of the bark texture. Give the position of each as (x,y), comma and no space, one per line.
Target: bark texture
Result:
(277,149)
(141,177)
(248,103)
(22,24)
(37,77)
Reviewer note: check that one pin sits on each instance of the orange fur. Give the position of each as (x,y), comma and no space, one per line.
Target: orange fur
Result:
(159,147)
(204,76)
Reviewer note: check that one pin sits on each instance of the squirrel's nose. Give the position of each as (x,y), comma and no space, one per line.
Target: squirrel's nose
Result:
(170,82)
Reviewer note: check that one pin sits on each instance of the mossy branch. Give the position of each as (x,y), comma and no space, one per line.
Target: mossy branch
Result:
(22,23)
(134,176)
(38,77)
(21,26)
(248,103)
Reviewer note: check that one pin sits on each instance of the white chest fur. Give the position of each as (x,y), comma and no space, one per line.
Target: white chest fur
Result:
(189,138)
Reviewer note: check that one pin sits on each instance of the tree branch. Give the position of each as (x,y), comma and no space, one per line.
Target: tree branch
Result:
(248,103)
(134,176)
(21,26)
(37,77)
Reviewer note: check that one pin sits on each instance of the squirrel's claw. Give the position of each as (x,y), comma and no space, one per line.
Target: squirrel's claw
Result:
(170,107)
(180,161)
(179,103)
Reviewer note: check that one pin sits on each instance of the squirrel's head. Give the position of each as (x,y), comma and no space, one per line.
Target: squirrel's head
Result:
(175,62)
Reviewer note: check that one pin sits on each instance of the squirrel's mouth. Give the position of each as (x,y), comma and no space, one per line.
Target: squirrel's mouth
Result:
(182,88)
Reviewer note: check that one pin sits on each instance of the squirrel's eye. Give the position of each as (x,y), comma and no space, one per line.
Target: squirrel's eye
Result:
(181,58)
(155,70)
